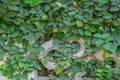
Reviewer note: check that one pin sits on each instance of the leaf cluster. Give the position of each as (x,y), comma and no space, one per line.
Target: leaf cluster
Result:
(25,21)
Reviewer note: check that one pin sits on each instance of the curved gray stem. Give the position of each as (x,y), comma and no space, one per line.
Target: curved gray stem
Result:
(81,51)
(48,46)
(79,75)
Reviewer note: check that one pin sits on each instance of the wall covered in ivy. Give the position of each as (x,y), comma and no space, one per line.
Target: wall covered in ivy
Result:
(29,23)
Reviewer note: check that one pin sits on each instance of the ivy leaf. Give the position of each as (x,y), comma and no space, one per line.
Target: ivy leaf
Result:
(64,30)
(24,29)
(72,13)
(1,56)
(47,8)
(80,30)
(114,8)
(17,22)
(39,25)
(88,33)
(99,42)
(17,76)
(63,77)
(93,29)
(97,35)
(32,49)
(105,36)
(84,0)
(60,4)
(59,69)
(79,23)
(86,26)
(2,66)
(103,1)
(41,49)
(28,1)
(44,17)
(28,37)
(65,63)
(37,2)
(1,31)
(74,69)
(56,42)
(117,38)
(110,47)
(7,47)
(74,30)
(21,64)
(107,16)
(15,34)
(116,71)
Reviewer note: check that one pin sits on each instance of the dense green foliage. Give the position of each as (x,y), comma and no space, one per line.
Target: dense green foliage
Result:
(22,21)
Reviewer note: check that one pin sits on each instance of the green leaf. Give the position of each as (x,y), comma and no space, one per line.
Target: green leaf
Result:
(80,30)
(37,2)
(79,23)
(63,77)
(1,31)
(24,29)
(114,8)
(28,37)
(1,56)
(47,8)
(10,75)
(32,79)
(56,42)
(65,63)
(15,34)
(28,1)
(60,5)
(99,42)
(97,35)
(93,29)
(59,70)
(7,47)
(74,30)
(45,61)
(39,25)
(86,26)
(17,22)
(72,13)
(105,36)
(88,33)
(74,69)
(20,64)
(15,2)
(117,38)
(17,76)
(111,47)
(64,30)
(44,17)
(29,69)
(2,66)
(103,1)
(41,49)
(107,16)
(84,0)
(31,49)
(116,71)
(99,70)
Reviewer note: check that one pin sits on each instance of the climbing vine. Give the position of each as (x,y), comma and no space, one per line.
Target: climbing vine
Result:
(26,24)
